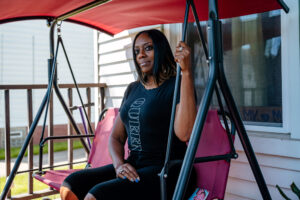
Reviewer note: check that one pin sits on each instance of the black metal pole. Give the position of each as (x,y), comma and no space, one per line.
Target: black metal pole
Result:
(44,101)
(76,86)
(29,136)
(164,173)
(81,9)
(216,34)
(237,120)
(52,76)
(199,29)
(69,115)
(284,6)
(244,137)
(23,149)
(56,88)
(216,87)
(31,131)
(203,109)
(196,134)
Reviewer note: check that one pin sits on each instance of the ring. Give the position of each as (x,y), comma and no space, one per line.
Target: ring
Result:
(122,171)
(180,48)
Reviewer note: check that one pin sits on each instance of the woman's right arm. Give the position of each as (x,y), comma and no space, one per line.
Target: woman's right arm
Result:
(116,144)
(117,141)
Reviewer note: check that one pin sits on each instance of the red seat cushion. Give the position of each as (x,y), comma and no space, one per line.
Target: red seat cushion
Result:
(99,154)
(54,178)
(212,176)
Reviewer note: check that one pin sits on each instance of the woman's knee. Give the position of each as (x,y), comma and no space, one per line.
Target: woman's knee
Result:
(67,194)
(89,196)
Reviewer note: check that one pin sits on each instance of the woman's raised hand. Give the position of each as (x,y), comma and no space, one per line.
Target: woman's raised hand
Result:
(127,171)
(183,56)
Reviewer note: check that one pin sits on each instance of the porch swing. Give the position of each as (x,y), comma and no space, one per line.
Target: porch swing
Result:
(212,157)
(206,121)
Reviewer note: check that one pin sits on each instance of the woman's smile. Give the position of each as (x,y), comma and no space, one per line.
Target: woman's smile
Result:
(145,63)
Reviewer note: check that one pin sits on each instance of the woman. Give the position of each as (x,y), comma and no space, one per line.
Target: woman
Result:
(144,119)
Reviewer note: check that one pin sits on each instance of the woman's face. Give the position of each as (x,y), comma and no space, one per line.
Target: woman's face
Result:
(144,52)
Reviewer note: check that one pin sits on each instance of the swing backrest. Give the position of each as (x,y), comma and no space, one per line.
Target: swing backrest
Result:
(98,157)
(213,176)
(99,154)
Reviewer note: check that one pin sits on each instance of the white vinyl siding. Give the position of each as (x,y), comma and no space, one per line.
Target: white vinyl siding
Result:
(115,65)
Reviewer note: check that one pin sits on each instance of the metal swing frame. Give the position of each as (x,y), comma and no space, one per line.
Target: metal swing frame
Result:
(216,74)
(52,83)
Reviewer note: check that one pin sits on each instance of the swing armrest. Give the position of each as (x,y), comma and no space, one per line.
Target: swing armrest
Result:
(85,105)
(65,137)
(53,138)
(205,159)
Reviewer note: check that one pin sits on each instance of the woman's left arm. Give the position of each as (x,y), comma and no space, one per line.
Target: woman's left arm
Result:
(186,109)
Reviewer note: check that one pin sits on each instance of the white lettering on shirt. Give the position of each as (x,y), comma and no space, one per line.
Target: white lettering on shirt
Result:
(134,124)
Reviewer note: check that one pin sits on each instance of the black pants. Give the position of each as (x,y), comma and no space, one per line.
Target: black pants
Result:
(103,184)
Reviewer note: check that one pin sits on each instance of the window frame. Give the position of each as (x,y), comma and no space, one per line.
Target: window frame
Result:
(290,71)
(290,68)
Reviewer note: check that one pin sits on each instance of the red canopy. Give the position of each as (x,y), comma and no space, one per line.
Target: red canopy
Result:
(118,15)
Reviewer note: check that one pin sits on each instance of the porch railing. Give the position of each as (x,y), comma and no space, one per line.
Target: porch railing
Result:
(29,88)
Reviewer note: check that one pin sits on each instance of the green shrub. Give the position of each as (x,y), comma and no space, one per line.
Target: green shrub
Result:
(294,188)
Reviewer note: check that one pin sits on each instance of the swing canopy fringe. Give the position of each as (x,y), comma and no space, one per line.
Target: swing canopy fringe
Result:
(115,16)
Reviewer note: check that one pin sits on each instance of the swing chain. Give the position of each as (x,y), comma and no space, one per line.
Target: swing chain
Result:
(59,28)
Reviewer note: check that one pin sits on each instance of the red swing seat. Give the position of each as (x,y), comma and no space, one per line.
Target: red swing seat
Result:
(211,176)
(99,155)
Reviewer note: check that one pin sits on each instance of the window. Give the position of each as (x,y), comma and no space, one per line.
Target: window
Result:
(252,62)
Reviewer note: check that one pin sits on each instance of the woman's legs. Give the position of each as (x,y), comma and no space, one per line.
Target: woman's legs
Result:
(80,182)
(147,188)
(102,184)
(89,196)
(67,194)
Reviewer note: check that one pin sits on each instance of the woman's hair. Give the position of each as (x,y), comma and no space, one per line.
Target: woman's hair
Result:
(164,65)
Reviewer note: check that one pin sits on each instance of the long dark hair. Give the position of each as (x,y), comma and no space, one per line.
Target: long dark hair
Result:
(164,65)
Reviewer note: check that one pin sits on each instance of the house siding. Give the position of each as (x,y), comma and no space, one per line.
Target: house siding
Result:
(115,64)
(279,160)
